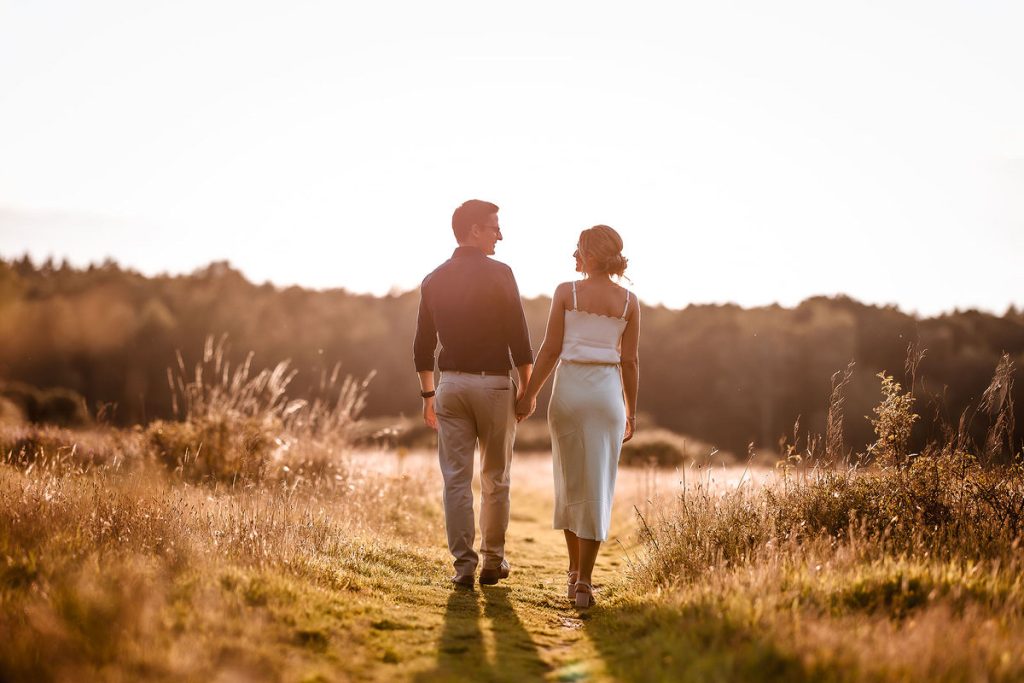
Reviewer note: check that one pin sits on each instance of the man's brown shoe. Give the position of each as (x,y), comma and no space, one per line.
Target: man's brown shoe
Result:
(489,577)
(465,581)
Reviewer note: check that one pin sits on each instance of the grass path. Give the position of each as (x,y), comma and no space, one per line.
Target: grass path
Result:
(522,629)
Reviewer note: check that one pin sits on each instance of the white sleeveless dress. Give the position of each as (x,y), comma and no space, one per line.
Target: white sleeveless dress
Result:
(587,418)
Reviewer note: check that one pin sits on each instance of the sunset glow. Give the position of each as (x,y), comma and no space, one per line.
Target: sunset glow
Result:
(753,153)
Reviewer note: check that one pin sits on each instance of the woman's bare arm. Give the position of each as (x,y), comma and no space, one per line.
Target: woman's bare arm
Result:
(631,364)
(547,357)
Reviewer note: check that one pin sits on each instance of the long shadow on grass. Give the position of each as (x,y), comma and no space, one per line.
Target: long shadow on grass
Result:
(461,651)
(642,642)
(516,655)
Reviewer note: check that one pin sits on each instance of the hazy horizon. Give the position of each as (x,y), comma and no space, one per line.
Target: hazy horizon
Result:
(400,292)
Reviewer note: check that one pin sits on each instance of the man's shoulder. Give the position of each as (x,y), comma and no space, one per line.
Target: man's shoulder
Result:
(432,274)
(498,265)
(453,269)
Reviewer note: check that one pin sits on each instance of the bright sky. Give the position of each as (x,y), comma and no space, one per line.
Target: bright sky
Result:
(753,152)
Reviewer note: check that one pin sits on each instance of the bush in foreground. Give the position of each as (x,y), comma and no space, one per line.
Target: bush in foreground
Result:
(908,569)
(942,502)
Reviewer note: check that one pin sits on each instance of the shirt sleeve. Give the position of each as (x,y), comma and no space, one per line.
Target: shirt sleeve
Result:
(426,335)
(518,333)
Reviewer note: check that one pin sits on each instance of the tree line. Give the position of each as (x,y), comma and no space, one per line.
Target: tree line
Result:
(721,373)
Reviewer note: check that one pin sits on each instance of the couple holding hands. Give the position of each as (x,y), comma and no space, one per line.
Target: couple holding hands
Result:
(489,382)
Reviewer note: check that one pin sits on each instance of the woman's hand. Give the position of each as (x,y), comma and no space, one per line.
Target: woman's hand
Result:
(525,407)
(630,429)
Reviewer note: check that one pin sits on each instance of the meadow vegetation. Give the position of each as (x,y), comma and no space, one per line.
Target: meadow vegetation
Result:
(251,539)
(889,565)
(220,544)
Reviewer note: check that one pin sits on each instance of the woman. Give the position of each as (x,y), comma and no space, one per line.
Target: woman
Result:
(593,333)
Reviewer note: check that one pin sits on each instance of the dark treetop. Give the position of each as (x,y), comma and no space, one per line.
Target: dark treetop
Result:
(471,303)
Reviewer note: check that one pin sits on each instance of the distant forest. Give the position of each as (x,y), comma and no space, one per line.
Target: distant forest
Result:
(724,374)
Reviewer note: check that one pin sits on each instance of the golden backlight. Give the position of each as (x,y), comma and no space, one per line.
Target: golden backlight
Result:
(748,152)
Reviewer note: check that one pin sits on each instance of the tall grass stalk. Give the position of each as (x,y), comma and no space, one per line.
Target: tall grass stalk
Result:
(240,425)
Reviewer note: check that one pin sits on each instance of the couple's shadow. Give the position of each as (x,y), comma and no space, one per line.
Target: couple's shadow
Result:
(462,651)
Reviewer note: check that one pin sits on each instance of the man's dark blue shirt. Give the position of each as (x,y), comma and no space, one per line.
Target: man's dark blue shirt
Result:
(471,304)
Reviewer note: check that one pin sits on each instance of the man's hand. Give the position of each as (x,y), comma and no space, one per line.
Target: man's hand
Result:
(426,378)
(525,407)
(429,416)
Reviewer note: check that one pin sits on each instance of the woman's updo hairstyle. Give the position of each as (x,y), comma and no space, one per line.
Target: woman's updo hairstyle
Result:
(604,247)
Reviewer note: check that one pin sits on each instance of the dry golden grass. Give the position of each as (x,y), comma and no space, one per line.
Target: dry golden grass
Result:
(287,555)
(907,570)
(119,573)
(123,574)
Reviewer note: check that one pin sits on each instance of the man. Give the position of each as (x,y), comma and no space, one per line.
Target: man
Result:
(471,304)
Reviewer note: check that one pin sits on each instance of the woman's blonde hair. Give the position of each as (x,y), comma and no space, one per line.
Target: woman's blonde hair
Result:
(604,247)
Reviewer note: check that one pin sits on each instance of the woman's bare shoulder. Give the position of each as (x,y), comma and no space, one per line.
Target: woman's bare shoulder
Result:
(563,295)
(632,306)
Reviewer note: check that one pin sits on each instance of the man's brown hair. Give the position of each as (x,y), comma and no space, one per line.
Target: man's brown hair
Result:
(471,213)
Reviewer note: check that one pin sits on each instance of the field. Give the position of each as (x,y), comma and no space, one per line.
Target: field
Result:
(249,542)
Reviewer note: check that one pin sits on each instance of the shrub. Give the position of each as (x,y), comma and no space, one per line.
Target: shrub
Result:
(54,448)
(895,419)
(25,397)
(238,424)
(58,406)
(532,436)
(395,432)
(663,448)
(10,412)
(941,503)
(212,449)
(62,407)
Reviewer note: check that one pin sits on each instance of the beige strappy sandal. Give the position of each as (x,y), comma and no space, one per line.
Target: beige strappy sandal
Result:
(584,595)
(573,577)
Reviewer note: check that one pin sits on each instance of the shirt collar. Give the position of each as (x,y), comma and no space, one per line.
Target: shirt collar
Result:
(471,252)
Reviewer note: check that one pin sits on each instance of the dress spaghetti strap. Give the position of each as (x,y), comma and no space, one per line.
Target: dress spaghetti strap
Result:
(626,308)
(574,295)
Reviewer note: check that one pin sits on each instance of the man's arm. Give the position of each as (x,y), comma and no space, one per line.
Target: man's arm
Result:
(525,372)
(423,354)
(427,386)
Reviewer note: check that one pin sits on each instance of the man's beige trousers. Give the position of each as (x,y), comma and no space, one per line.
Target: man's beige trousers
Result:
(471,408)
